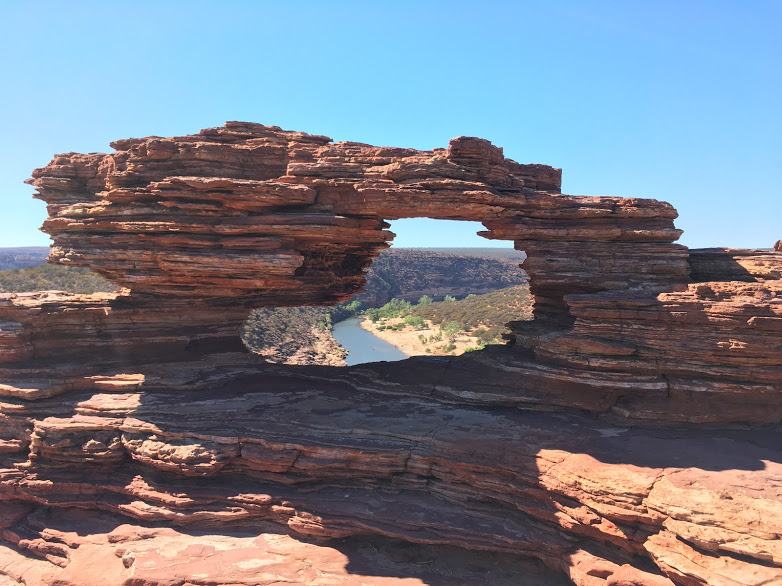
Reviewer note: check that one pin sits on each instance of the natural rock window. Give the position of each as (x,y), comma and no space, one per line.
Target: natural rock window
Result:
(145,406)
(439,301)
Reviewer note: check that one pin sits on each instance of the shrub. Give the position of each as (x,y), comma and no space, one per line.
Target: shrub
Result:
(487,336)
(451,330)
(393,308)
(415,321)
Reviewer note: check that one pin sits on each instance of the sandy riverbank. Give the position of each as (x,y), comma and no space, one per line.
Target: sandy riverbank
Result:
(408,340)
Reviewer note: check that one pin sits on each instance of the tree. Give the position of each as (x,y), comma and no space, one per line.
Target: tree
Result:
(451,330)
(449,298)
(393,308)
(415,321)
(425,300)
(353,306)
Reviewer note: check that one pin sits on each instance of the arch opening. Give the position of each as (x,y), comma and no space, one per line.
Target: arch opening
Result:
(440,290)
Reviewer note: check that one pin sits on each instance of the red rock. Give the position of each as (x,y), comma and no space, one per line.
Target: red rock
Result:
(603,443)
(188,216)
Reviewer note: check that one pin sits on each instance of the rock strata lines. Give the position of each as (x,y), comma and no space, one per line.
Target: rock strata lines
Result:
(628,435)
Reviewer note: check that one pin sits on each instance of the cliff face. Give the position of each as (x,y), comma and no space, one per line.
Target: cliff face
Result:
(18,258)
(629,435)
(411,274)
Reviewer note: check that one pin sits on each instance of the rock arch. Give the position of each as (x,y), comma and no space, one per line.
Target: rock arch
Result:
(253,215)
(201,228)
(141,403)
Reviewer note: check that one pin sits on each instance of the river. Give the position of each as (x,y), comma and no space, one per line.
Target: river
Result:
(363,346)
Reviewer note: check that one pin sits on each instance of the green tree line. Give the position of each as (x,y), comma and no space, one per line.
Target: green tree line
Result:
(483,316)
(53,278)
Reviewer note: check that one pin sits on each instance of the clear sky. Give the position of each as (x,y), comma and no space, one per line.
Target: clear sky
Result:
(676,100)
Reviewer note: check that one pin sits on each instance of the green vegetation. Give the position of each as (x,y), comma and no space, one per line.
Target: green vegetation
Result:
(451,330)
(53,278)
(474,348)
(276,326)
(481,316)
(486,335)
(484,316)
(280,325)
(415,321)
(394,308)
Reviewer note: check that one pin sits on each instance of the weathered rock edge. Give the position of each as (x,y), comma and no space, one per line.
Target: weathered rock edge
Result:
(603,441)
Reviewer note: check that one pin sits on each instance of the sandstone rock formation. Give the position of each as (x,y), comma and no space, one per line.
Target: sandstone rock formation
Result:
(628,435)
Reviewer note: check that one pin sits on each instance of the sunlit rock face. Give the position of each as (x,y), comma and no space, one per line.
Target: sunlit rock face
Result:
(629,434)
(250,213)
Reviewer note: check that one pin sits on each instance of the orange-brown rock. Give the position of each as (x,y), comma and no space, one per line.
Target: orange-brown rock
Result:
(629,434)
(735,264)
(283,218)
(303,454)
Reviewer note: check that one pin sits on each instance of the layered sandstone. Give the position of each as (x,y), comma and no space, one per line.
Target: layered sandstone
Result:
(249,212)
(408,468)
(629,434)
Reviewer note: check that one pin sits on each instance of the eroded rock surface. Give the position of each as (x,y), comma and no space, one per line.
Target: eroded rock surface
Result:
(630,434)
(284,218)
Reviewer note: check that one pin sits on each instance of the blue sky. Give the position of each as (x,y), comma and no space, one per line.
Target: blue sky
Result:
(674,100)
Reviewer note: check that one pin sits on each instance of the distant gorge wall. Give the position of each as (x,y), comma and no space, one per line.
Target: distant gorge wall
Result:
(410,274)
(629,329)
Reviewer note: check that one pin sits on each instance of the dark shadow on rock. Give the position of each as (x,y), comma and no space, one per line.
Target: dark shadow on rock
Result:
(730,264)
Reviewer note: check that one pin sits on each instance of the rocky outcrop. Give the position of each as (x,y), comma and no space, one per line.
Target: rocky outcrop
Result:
(727,353)
(253,213)
(248,453)
(629,434)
